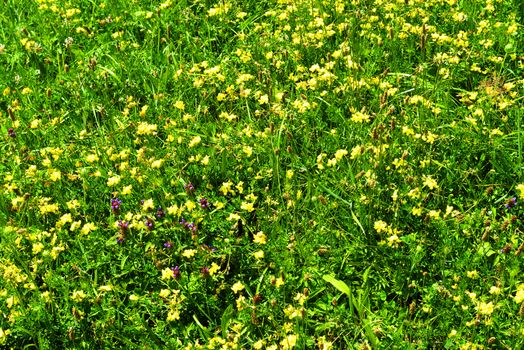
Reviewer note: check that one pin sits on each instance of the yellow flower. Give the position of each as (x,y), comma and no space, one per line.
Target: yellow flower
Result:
(127,190)
(429,182)
(340,153)
(173,315)
(485,308)
(144,128)
(380,226)
(520,189)
(237,287)
(248,150)
(91,158)
(164,293)
(114,180)
(260,238)
(494,290)
(38,247)
(359,117)
(35,123)
(472,274)
(3,335)
(167,273)
(148,204)
(54,175)
(195,141)
(189,253)
(156,164)
(213,269)
(519,296)
(289,342)
(259,254)
(106,288)
(12,300)
(247,206)
(180,105)
(78,296)
(88,227)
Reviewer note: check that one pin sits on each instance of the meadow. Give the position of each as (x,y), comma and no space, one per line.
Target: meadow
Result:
(282,174)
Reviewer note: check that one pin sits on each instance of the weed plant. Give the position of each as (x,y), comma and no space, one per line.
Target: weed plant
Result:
(261,174)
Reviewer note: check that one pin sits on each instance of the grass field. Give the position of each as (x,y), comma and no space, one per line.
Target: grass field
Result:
(282,174)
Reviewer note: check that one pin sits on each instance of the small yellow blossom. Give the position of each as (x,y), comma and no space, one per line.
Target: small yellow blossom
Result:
(195,141)
(127,190)
(340,153)
(289,342)
(105,288)
(259,254)
(472,274)
(494,290)
(237,287)
(430,183)
(148,205)
(164,293)
(167,273)
(78,296)
(88,227)
(249,207)
(214,269)
(189,253)
(520,189)
(173,315)
(260,238)
(519,296)
(180,105)
(485,308)
(113,180)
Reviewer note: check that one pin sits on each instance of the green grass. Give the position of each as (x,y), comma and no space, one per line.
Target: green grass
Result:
(267,175)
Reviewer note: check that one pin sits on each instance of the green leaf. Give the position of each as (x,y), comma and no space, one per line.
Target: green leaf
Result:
(226,319)
(338,284)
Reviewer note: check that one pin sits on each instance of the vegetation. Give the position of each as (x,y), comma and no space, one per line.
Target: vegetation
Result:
(282,174)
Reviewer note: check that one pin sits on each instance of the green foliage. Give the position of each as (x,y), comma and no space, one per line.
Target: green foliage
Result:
(275,175)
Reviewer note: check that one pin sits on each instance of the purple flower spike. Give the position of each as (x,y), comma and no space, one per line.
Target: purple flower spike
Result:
(176,272)
(204,203)
(115,205)
(124,225)
(168,245)
(512,202)
(150,224)
(189,187)
(205,271)
(160,213)
(11,132)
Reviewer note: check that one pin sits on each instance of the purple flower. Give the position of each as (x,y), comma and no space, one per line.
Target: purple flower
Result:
(115,205)
(11,132)
(512,202)
(120,239)
(189,187)
(176,272)
(160,213)
(204,204)
(189,225)
(205,271)
(150,223)
(124,225)
(168,244)
(209,247)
